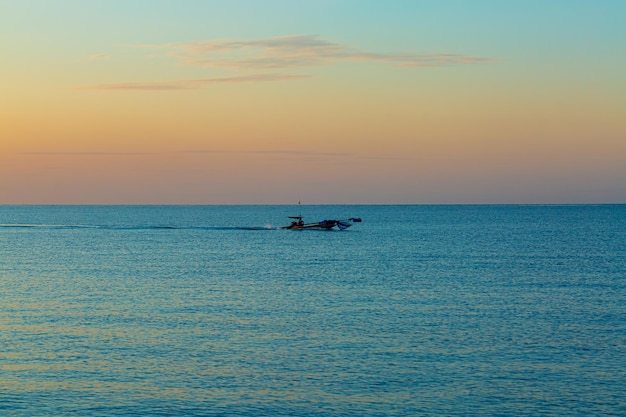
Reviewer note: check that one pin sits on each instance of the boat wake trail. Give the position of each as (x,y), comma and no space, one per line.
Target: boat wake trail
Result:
(137,227)
(49,226)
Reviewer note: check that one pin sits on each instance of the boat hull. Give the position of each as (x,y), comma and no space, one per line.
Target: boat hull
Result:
(298,224)
(323,225)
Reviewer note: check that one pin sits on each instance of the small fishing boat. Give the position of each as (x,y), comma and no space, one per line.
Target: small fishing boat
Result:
(298,224)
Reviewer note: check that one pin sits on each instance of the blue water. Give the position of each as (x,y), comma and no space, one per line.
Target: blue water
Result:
(214,311)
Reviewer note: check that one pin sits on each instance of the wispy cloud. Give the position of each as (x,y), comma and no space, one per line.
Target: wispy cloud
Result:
(297,51)
(296,154)
(98,57)
(271,54)
(88,153)
(299,153)
(192,84)
(268,152)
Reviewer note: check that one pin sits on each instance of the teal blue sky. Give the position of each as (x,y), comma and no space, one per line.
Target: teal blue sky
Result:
(581,37)
(446,24)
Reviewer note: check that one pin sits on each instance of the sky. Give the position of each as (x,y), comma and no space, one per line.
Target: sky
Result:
(319,101)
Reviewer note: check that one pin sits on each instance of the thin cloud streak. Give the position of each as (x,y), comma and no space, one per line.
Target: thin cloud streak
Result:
(98,57)
(302,153)
(269,152)
(297,51)
(288,152)
(192,152)
(88,153)
(192,84)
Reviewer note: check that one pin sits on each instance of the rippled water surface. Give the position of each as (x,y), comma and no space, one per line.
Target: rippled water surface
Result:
(214,311)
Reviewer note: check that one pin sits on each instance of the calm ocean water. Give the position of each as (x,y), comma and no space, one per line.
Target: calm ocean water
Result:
(212,311)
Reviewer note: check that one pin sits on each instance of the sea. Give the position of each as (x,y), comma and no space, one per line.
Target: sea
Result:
(419,310)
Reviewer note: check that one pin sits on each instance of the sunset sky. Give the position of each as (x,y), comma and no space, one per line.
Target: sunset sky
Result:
(327,102)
